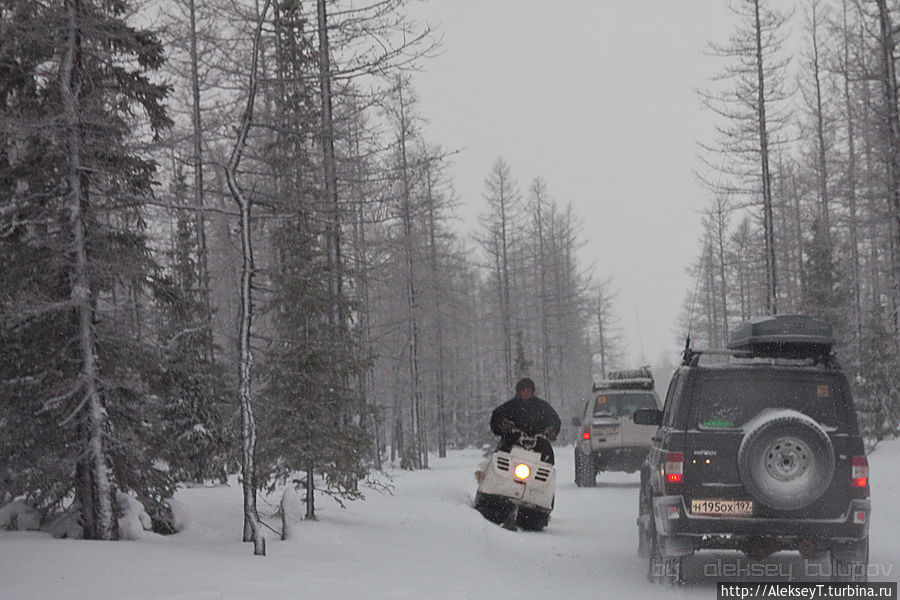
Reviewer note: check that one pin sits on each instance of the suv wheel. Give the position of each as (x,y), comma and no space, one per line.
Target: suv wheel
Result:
(585,471)
(661,569)
(644,517)
(853,567)
(786,460)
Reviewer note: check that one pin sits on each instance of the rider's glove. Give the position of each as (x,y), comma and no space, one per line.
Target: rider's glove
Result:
(505,425)
(550,433)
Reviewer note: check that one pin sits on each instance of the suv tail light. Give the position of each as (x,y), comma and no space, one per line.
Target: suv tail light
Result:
(586,433)
(674,467)
(859,474)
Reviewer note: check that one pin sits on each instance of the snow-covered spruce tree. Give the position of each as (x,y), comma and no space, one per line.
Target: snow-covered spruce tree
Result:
(878,384)
(827,296)
(306,399)
(76,418)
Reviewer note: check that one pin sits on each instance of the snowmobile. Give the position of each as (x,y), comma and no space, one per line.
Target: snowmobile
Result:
(516,488)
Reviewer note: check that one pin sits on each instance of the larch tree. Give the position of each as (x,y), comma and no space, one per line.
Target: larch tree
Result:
(750,97)
(609,343)
(502,197)
(819,289)
(537,203)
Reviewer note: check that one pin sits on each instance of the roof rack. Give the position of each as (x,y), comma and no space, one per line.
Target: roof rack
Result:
(630,379)
(693,358)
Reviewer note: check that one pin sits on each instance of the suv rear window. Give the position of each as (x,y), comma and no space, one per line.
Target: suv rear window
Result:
(727,402)
(617,404)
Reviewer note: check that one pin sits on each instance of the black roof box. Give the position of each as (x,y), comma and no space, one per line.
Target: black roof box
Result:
(783,336)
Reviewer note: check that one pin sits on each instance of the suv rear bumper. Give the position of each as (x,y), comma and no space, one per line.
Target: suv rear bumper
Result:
(672,519)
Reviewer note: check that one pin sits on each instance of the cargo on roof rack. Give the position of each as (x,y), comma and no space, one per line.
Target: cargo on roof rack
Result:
(630,379)
(790,336)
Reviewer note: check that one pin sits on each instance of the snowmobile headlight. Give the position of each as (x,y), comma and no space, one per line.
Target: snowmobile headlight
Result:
(522,471)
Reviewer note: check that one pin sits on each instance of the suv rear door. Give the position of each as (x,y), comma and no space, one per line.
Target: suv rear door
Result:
(611,419)
(723,401)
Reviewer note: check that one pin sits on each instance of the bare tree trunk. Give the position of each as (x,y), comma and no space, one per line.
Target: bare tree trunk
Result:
(742,285)
(793,252)
(332,226)
(310,493)
(798,235)
(439,319)
(721,227)
(506,305)
(601,329)
(538,190)
(874,254)
(851,192)
(418,449)
(712,303)
(365,320)
(768,221)
(556,254)
(197,159)
(396,434)
(828,283)
(99,486)
(820,135)
(889,86)
(252,526)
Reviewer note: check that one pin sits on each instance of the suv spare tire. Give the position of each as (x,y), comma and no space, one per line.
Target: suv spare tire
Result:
(786,459)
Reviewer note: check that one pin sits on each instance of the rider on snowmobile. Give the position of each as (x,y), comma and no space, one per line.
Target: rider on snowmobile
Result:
(526,414)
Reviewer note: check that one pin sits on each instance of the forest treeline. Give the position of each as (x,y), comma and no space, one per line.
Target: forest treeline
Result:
(804,175)
(229,246)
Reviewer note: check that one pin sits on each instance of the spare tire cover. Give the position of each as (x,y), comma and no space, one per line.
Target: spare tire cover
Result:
(786,459)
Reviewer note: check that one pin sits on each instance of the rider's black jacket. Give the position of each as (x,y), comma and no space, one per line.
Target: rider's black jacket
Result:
(533,416)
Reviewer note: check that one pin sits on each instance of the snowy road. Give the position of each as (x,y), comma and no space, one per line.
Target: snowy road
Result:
(424,541)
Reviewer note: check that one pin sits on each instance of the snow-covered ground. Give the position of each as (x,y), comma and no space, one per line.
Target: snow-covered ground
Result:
(423,542)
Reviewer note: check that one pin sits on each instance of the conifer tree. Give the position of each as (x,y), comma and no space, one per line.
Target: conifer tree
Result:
(74,367)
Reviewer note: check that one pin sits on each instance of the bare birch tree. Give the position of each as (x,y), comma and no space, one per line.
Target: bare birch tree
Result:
(252,526)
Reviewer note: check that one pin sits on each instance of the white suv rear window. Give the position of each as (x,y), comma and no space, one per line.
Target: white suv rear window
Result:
(618,404)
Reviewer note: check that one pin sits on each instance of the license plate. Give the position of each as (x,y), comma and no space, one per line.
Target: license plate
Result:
(605,429)
(722,508)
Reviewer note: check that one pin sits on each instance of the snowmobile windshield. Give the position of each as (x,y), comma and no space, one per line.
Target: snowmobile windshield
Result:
(729,402)
(618,404)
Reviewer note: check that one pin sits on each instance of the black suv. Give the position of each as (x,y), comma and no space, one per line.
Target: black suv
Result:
(758,453)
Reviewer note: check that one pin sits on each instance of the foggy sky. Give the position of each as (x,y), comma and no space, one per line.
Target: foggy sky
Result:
(598,98)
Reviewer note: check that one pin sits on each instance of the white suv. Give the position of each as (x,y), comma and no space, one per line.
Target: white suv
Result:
(609,440)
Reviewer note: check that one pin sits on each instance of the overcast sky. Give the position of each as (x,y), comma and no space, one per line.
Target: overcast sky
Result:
(598,98)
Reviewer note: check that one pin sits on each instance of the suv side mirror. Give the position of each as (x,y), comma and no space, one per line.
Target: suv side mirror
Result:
(647,416)
(576,421)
